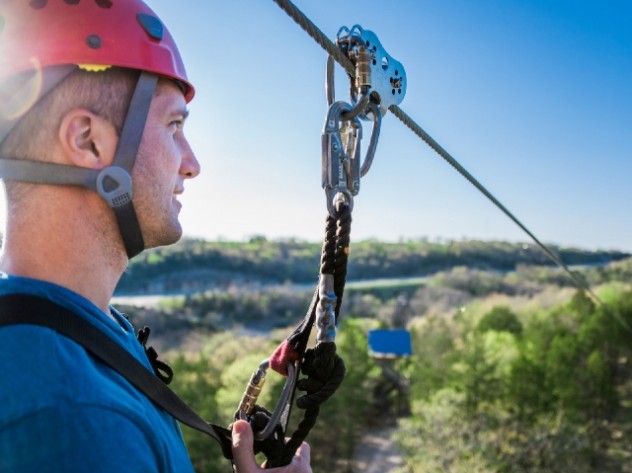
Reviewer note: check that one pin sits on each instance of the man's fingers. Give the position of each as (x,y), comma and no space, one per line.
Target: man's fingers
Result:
(243,455)
(303,454)
(244,458)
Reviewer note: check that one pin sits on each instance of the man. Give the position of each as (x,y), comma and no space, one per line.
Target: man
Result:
(93,99)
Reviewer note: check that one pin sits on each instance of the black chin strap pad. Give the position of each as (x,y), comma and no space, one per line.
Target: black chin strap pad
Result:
(130,229)
(115,186)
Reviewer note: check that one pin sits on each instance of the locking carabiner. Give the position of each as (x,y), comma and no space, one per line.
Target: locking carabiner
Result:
(281,413)
(341,154)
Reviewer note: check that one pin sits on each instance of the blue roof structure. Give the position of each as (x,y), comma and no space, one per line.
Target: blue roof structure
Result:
(390,343)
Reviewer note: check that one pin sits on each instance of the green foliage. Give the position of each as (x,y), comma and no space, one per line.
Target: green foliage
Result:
(500,389)
(434,353)
(500,319)
(582,305)
(197,381)
(212,382)
(436,439)
(544,393)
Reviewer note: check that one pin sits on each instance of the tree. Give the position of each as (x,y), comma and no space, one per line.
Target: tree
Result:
(500,319)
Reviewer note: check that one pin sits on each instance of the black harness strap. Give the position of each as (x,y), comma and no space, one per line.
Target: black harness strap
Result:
(25,309)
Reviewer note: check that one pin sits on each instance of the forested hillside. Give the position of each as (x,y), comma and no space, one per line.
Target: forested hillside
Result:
(194,265)
(534,378)
(513,370)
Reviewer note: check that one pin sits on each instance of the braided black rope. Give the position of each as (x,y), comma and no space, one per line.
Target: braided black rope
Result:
(328,254)
(325,372)
(343,238)
(323,368)
(300,336)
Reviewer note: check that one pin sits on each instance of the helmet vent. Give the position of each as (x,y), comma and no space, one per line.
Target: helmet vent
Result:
(37,4)
(93,41)
(152,25)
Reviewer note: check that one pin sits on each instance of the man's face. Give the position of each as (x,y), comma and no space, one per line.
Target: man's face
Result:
(164,161)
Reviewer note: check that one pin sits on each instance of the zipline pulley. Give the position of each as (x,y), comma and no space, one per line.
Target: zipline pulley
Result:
(378,72)
(380,81)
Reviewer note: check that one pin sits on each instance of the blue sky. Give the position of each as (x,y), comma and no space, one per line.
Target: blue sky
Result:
(532,97)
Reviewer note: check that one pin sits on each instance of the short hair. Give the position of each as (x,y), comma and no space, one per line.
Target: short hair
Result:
(105,93)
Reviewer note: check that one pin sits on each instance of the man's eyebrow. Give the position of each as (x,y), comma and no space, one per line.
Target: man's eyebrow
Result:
(182,112)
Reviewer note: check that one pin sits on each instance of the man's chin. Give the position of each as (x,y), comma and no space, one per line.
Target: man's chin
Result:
(165,238)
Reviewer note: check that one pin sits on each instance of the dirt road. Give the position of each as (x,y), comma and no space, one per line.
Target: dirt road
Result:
(377,453)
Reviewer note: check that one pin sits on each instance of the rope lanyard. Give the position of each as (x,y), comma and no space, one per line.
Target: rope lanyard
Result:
(323,368)
(379,81)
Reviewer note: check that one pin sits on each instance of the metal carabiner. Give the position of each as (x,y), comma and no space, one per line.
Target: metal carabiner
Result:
(281,414)
(341,154)
(376,113)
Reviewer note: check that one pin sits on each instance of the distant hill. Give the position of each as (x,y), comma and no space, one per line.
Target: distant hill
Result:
(194,265)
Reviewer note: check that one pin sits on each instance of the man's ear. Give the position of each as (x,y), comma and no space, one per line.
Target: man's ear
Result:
(87,140)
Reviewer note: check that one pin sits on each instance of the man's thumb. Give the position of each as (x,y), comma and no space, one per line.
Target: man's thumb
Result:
(243,455)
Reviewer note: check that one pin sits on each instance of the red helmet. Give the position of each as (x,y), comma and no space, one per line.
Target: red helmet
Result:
(126,33)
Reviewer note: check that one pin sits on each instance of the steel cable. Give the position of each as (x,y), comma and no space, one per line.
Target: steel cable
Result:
(315,33)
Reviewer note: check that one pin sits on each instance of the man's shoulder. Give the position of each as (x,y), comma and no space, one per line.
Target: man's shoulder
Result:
(48,368)
(52,383)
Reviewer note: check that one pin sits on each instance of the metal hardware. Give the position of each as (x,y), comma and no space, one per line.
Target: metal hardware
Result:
(326,309)
(340,157)
(376,113)
(281,413)
(380,81)
(253,389)
(384,76)
(341,167)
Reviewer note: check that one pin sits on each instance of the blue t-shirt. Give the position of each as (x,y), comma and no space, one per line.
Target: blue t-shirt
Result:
(62,410)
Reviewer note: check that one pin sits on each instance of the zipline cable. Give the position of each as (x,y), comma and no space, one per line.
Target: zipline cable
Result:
(334,51)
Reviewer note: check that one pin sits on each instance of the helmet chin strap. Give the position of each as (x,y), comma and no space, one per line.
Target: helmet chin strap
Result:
(113,183)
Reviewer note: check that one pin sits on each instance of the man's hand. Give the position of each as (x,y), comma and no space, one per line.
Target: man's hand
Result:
(244,457)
